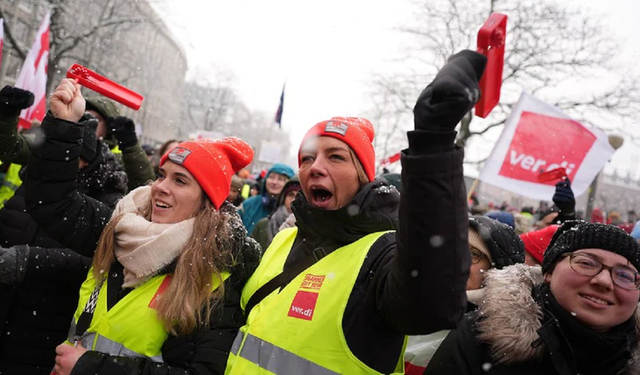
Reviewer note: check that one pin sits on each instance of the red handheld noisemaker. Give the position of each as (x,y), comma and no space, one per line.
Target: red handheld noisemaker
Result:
(552,175)
(491,42)
(105,86)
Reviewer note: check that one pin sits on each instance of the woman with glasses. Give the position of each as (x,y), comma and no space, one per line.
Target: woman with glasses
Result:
(577,314)
(492,244)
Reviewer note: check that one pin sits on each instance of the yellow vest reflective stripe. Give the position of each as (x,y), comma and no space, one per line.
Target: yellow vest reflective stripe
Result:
(131,327)
(10,184)
(298,330)
(104,345)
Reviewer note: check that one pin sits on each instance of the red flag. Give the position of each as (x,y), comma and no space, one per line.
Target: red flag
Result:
(33,75)
(391,159)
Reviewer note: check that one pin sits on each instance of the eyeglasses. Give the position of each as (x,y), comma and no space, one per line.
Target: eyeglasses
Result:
(476,255)
(622,276)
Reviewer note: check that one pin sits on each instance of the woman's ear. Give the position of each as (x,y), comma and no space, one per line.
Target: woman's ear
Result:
(547,277)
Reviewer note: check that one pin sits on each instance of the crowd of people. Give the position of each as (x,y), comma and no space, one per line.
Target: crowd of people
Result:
(119,258)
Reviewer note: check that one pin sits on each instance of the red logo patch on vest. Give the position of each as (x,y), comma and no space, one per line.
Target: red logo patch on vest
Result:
(165,284)
(303,305)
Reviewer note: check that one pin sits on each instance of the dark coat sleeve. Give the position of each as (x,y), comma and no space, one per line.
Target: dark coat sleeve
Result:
(460,353)
(58,266)
(53,201)
(137,166)
(14,147)
(422,286)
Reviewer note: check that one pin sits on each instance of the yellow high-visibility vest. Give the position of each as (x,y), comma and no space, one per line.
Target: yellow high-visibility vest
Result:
(298,330)
(10,184)
(131,327)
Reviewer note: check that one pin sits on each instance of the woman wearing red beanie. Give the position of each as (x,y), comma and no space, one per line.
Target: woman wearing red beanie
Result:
(364,265)
(163,291)
(535,244)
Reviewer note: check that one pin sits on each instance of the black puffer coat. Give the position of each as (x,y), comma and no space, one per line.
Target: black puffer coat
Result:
(103,179)
(53,196)
(53,298)
(35,314)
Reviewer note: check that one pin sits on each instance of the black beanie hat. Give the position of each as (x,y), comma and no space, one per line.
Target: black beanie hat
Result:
(575,235)
(89,143)
(504,245)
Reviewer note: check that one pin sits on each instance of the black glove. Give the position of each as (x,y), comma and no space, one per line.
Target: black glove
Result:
(13,263)
(564,198)
(13,100)
(125,131)
(179,350)
(452,94)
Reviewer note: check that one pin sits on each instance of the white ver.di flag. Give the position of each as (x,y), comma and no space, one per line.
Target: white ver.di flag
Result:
(539,137)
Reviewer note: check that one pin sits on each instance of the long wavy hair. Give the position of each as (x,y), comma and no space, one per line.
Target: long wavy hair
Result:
(188,301)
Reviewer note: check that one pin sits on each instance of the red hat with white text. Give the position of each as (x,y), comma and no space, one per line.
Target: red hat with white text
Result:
(357,132)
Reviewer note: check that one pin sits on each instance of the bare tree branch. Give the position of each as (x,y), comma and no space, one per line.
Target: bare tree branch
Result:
(551,50)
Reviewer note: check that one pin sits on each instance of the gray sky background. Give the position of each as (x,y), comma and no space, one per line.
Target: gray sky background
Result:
(325,51)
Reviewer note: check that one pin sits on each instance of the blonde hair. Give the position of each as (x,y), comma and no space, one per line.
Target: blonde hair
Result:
(362,175)
(188,301)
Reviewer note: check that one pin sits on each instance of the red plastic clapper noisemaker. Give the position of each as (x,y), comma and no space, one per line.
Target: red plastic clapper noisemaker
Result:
(105,86)
(491,42)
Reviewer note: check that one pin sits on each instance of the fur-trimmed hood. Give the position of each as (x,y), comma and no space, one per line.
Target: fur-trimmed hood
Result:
(510,317)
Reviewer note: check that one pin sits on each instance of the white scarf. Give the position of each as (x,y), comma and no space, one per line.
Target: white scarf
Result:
(143,247)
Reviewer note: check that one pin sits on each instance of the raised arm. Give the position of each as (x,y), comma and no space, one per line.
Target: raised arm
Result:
(424,290)
(51,193)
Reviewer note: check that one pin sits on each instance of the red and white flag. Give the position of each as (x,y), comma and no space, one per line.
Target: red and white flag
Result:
(539,137)
(1,37)
(33,75)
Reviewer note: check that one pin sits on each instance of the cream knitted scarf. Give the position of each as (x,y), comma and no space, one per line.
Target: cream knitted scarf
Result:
(143,247)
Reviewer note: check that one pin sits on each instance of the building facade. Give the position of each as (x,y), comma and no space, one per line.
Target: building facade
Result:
(125,41)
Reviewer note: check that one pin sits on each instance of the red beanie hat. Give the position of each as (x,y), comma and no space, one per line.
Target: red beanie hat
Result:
(536,242)
(212,163)
(356,132)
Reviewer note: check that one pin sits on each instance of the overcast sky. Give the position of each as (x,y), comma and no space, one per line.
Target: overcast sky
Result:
(325,51)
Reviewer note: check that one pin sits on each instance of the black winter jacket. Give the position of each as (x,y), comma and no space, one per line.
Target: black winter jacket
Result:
(53,196)
(35,314)
(413,280)
(103,179)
